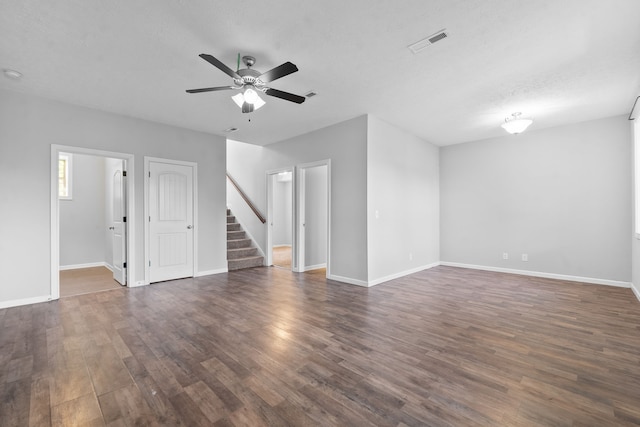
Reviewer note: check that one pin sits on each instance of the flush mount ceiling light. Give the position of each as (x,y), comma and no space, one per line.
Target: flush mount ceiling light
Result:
(516,124)
(12,74)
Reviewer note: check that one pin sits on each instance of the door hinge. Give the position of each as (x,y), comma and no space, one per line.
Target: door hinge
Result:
(149,174)
(124,265)
(149,218)
(124,219)
(149,263)
(124,173)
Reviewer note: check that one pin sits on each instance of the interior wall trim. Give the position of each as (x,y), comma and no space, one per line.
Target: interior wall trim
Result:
(348,280)
(570,278)
(314,267)
(24,301)
(86,265)
(210,272)
(636,291)
(402,274)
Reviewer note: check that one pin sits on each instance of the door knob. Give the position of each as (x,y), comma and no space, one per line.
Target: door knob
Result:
(112,228)
(189,227)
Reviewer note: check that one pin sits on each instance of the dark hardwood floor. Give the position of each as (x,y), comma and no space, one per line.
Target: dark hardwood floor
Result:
(444,347)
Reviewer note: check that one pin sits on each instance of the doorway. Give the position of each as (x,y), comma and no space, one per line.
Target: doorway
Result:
(280,218)
(313,222)
(90,240)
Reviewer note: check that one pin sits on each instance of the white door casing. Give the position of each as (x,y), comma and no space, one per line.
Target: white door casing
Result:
(55,220)
(119,227)
(170,201)
(300,208)
(272,176)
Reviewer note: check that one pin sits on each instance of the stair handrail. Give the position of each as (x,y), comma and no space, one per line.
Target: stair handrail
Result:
(246,199)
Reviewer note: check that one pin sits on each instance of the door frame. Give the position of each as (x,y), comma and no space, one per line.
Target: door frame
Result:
(55,211)
(271,174)
(300,190)
(147,245)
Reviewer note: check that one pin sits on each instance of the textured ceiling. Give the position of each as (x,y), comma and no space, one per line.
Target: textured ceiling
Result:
(556,61)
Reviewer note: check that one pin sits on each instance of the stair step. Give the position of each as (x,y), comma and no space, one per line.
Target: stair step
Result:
(228,212)
(231,219)
(234,227)
(241,253)
(248,262)
(234,235)
(238,243)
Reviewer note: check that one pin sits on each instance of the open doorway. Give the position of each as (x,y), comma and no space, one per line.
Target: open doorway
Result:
(314,216)
(91,198)
(280,218)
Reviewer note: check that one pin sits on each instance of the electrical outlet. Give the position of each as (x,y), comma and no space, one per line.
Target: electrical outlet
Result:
(505,255)
(525,257)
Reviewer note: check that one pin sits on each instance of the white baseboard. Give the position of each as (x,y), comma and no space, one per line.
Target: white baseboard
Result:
(137,284)
(541,274)
(348,280)
(314,267)
(25,301)
(281,246)
(210,272)
(402,274)
(636,291)
(87,265)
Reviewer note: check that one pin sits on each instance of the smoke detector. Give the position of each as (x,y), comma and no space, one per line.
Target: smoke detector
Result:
(419,46)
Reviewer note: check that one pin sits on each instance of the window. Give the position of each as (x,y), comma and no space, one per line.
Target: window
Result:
(64,176)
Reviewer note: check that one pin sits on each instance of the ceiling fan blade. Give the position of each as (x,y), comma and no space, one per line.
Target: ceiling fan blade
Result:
(216,63)
(210,89)
(247,108)
(280,71)
(285,95)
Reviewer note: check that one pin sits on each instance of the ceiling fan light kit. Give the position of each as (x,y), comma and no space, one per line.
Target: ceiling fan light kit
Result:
(515,124)
(250,82)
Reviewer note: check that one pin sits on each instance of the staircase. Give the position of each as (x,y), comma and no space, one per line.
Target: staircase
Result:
(240,250)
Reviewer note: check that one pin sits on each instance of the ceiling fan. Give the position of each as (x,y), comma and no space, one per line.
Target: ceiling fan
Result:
(249,82)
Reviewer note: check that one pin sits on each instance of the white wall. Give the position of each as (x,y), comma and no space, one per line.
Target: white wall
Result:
(343,143)
(560,195)
(315,217)
(28,127)
(403,202)
(282,212)
(635,239)
(82,219)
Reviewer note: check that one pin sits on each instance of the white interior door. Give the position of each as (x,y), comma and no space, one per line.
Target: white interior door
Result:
(170,221)
(119,227)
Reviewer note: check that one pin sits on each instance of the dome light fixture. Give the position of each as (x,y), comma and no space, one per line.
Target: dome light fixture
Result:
(250,95)
(516,124)
(241,98)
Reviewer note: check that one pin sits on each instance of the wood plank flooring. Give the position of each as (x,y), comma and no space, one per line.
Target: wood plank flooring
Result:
(86,280)
(267,347)
(282,256)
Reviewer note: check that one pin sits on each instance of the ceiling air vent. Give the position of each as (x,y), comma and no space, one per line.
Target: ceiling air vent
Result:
(232,129)
(310,94)
(418,46)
